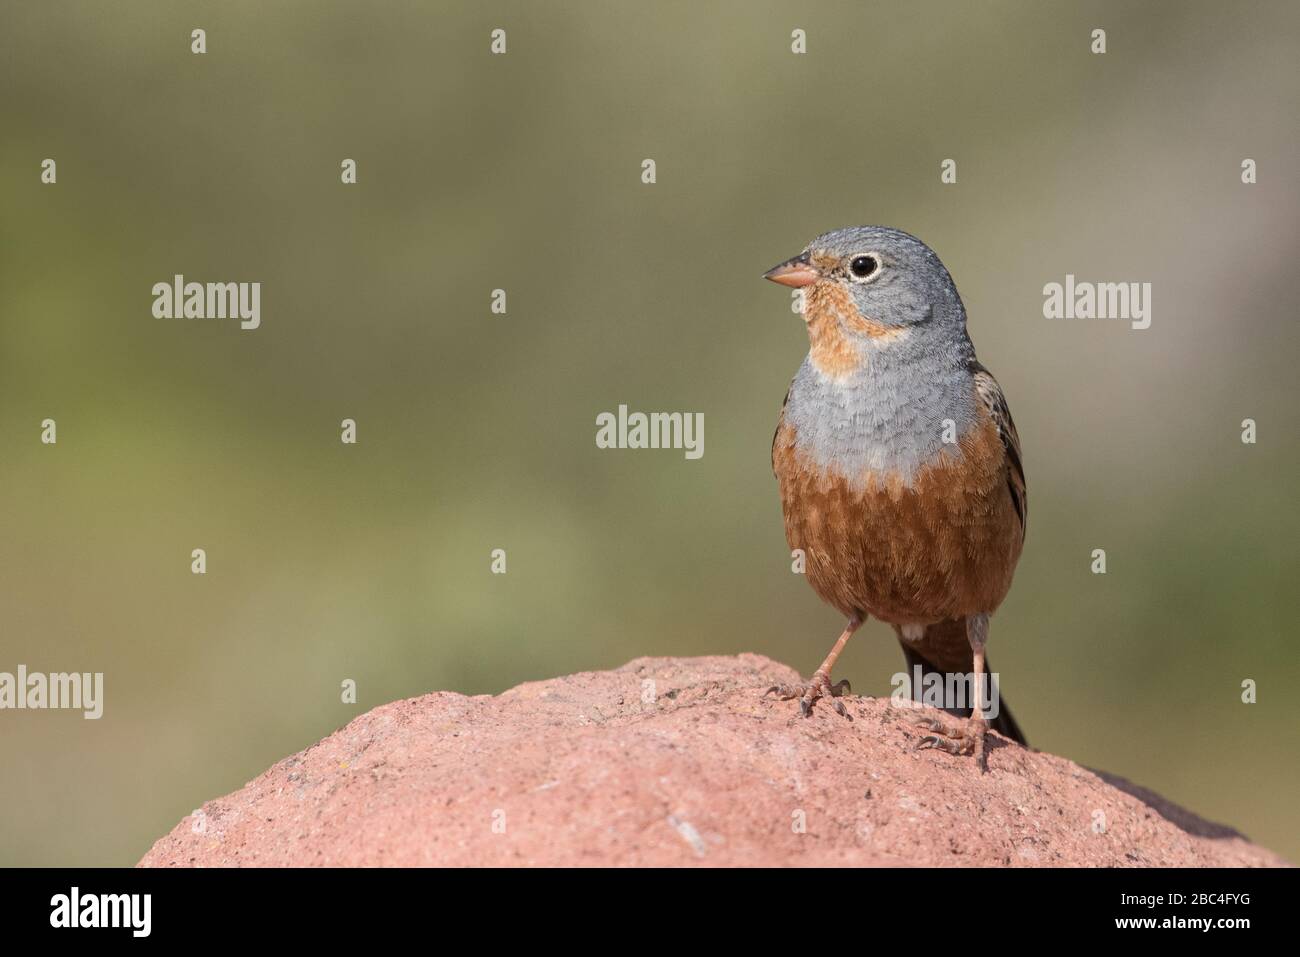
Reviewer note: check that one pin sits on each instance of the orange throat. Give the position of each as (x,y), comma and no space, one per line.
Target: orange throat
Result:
(832,315)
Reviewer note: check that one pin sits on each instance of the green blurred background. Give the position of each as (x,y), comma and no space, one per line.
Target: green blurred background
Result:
(476,431)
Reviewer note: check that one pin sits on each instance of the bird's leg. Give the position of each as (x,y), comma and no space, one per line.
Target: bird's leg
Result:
(977,632)
(819,685)
(968,738)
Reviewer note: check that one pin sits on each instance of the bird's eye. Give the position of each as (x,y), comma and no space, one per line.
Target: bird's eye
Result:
(863,266)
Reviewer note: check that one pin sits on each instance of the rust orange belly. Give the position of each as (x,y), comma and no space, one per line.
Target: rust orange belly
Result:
(941,546)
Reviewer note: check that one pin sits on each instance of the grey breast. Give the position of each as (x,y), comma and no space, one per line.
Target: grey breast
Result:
(890,415)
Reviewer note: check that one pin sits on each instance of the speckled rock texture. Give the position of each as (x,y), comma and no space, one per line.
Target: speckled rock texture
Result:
(679,761)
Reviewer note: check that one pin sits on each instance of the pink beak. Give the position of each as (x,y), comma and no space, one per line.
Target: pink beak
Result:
(795,273)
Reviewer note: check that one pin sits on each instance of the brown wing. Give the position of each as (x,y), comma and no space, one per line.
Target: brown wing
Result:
(990,393)
(779,422)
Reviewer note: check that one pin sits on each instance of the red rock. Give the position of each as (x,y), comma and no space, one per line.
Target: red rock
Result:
(696,768)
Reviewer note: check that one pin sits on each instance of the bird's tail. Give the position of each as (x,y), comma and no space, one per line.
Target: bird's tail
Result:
(944,650)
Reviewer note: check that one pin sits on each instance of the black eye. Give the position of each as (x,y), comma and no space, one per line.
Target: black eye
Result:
(863,266)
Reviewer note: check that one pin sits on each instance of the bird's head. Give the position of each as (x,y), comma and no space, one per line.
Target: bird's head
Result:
(868,287)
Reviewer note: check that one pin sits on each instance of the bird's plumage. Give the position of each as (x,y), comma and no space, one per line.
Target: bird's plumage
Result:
(937,541)
(897,459)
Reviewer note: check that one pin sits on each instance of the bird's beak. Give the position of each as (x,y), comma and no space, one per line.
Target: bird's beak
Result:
(796,273)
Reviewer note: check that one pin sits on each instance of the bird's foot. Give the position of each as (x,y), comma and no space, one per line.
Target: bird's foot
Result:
(818,686)
(964,736)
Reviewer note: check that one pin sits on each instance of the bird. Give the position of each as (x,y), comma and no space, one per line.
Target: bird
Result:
(900,472)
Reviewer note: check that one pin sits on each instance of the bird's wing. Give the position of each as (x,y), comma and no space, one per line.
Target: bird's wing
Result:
(990,393)
(780,422)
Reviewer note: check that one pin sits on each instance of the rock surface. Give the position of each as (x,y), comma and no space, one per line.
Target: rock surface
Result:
(671,761)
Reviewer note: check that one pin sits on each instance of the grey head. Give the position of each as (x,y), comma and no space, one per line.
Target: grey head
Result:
(882,403)
(894,279)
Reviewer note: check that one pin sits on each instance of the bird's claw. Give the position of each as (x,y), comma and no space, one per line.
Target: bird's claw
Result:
(966,737)
(819,686)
